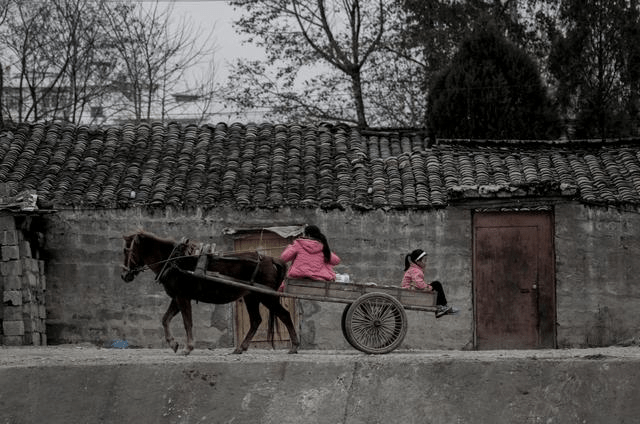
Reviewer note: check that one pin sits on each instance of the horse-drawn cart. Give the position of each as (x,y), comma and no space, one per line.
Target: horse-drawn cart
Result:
(374,318)
(373,321)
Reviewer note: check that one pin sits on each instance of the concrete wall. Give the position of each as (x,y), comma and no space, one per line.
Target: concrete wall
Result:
(597,276)
(88,302)
(336,388)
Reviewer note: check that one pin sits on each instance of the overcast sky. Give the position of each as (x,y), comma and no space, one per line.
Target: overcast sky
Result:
(218,14)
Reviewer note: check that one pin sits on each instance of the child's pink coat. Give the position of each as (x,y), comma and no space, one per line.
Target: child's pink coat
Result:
(414,278)
(308,260)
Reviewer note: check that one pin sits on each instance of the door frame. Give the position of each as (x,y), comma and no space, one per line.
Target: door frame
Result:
(546,305)
(274,245)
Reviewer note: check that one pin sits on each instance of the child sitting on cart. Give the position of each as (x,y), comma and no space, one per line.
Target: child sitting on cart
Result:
(311,257)
(414,264)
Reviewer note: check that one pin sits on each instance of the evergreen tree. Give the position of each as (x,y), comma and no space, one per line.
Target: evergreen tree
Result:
(491,90)
(595,59)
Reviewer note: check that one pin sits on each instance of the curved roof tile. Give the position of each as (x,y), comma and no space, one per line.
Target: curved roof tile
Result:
(267,165)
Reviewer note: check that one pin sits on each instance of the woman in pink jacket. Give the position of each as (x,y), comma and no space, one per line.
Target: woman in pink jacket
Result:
(413,278)
(311,256)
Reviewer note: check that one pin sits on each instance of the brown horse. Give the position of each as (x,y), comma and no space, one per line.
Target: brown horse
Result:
(168,260)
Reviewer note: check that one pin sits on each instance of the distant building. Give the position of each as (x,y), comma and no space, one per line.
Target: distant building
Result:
(113,106)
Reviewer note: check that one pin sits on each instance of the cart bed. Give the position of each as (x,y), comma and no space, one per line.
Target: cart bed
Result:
(348,292)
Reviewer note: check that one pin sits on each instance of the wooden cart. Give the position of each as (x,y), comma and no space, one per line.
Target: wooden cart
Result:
(374,319)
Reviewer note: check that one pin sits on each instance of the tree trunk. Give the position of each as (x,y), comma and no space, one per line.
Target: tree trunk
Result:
(357,96)
(1,95)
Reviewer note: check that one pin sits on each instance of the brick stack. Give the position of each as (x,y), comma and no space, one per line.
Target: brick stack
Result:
(23,285)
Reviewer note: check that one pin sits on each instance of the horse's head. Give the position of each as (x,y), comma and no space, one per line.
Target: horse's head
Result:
(132,265)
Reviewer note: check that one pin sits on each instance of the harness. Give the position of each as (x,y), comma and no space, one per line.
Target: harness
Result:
(206,255)
(167,261)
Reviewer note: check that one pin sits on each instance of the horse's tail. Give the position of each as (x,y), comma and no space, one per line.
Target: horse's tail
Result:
(281,271)
(272,328)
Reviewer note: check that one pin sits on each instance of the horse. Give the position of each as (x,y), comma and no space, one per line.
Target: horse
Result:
(166,258)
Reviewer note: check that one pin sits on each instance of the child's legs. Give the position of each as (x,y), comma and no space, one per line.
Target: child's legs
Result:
(441,299)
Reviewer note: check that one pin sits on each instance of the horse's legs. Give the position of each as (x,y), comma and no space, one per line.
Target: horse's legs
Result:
(166,319)
(187,320)
(275,307)
(253,309)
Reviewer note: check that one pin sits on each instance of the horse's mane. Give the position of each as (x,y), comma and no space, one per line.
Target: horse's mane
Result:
(151,235)
(191,247)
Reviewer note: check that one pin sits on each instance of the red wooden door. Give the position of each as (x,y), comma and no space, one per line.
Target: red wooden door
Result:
(514,285)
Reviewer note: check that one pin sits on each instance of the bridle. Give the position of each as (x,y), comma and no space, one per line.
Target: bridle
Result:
(132,271)
(127,266)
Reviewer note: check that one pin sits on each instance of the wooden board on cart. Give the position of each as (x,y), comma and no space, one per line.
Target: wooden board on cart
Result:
(350,292)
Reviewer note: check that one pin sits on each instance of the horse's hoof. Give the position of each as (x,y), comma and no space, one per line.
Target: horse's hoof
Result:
(173,345)
(238,351)
(186,352)
(294,348)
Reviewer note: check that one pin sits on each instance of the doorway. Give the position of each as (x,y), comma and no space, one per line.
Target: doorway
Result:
(270,244)
(514,280)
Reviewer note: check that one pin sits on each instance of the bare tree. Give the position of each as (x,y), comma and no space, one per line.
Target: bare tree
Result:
(153,56)
(319,49)
(51,51)
(200,95)
(88,60)
(65,55)
(4,8)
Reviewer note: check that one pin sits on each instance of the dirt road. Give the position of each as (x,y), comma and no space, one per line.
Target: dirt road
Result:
(87,354)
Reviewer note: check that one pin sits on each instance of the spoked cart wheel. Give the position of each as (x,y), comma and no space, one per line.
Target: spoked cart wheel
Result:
(344,326)
(375,323)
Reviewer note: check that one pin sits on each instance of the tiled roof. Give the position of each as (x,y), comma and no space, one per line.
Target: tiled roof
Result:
(302,166)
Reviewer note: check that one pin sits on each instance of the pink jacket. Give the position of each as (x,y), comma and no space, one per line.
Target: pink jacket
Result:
(414,278)
(308,260)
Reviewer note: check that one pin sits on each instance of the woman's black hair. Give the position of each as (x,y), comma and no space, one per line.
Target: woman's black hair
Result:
(412,258)
(313,232)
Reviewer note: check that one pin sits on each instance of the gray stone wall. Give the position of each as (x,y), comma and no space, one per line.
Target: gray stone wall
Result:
(22,284)
(597,276)
(88,302)
(596,273)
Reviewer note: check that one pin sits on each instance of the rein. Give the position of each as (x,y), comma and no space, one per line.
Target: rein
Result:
(142,268)
(166,261)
